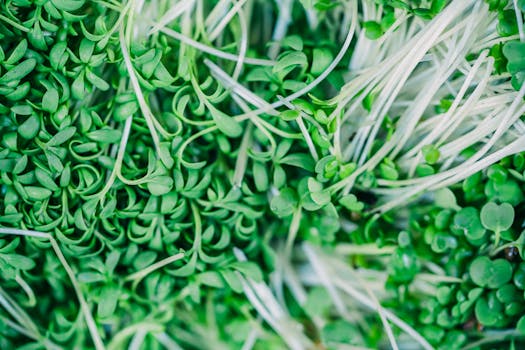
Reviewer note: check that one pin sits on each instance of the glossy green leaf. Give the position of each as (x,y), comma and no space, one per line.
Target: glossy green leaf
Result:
(249,269)
(105,135)
(496,217)
(490,273)
(50,100)
(285,203)
(226,124)
(62,136)
(19,71)
(108,301)
(18,261)
(30,127)
(321,59)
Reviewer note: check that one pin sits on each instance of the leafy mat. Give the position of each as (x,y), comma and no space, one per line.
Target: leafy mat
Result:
(255,174)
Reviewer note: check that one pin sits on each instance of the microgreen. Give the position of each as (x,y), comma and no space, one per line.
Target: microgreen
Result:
(497,218)
(492,274)
(300,174)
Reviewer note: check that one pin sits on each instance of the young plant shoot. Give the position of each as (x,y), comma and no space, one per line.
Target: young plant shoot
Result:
(255,174)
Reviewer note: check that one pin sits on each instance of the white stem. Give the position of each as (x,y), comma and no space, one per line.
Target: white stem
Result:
(137,276)
(148,116)
(172,14)
(213,51)
(242,157)
(327,281)
(165,340)
(519,20)
(226,19)
(138,340)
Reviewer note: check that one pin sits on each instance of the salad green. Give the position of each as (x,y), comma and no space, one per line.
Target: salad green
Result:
(251,174)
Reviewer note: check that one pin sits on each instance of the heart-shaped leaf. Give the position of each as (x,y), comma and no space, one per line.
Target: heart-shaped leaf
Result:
(351,203)
(490,273)
(468,223)
(496,217)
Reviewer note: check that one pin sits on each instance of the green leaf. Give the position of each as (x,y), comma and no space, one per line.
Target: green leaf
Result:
(78,87)
(486,315)
(431,154)
(490,273)
(508,191)
(20,165)
(314,185)
(125,110)
(325,5)
(210,278)
(388,171)
(443,242)
(321,59)
(19,71)
(62,136)
(288,61)
(50,100)
(108,300)
(37,194)
(480,270)
(249,269)
(30,128)
(22,109)
(90,277)
(518,80)
(10,140)
(54,161)
(351,203)
(18,52)
(85,50)
(97,82)
(337,333)
(68,5)
(520,326)
(45,179)
(160,185)
(373,30)
(290,114)
(400,4)
(260,176)
(318,302)
(507,24)
(446,199)
(514,51)
(423,13)
(438,6)
(226,124)
(508,293)
(58,55)
(105,135)
(321,198)
(232,279)
(18,261)
(468,223)
(300,160)
(497,173)
(497,218)
(285,203)
(294,42)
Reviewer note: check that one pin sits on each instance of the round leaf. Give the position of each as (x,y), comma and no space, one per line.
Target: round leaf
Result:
(497,218)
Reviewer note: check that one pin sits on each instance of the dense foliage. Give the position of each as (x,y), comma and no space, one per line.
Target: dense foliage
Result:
(294,174)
